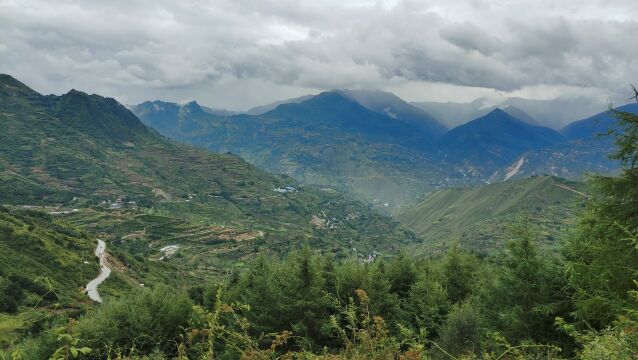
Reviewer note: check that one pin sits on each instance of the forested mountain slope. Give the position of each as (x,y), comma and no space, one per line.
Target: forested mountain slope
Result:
(327,139)
(81,151)
(487,144)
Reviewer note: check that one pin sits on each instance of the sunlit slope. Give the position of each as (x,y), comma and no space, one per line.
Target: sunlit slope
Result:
(479,217)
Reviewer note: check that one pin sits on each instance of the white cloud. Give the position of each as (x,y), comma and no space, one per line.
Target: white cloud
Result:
(238,53)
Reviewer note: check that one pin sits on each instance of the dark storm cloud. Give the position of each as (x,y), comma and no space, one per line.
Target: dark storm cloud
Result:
(264,50)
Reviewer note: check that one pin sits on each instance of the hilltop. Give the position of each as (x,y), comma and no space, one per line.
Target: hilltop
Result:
(487,144)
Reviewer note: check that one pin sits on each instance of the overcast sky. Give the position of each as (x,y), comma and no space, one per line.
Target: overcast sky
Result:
(238,53)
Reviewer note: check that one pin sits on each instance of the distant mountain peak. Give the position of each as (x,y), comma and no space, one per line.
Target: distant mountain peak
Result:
(498,112)
(593,126)
(262,109)
(75,92)
(328,100)
(520,114)
(191,104)
(102,117)
(331,95)
(494,140)
(392,106)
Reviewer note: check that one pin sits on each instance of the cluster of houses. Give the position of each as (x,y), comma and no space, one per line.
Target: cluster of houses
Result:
(370,258)
(168,251)
(353,216)
(366,258)
(119,203)
(286,190)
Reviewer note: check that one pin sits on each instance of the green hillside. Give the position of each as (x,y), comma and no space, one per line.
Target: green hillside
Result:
(100,173)
(85,151)
(34,246)
(44,263)
(478,217)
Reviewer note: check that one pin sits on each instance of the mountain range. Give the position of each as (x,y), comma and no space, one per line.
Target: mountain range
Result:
(384,150)
(585,151)
(482,147)
(554,113)
(328,139)
(91,154)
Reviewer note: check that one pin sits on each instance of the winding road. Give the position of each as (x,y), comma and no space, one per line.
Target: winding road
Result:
(105,271)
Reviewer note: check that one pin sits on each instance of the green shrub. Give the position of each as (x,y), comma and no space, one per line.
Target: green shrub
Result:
(143,322)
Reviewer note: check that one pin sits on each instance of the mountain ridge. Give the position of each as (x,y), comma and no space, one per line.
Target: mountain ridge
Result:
(591,127)
(489,143)
(83,151)
(478,216)
(326,140)
(396,108)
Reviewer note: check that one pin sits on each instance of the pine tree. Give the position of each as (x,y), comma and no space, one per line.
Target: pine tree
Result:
(458,271)
(603,255)
(304,300)
(426,305)
(402,274)
(523,290)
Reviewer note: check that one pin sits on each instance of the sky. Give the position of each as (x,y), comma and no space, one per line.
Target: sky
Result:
(235,54)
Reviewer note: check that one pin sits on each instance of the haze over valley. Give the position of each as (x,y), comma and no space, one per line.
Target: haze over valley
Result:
(386,151)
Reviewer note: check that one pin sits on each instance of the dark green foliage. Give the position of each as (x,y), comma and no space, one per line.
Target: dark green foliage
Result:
(461,333)
(402,274)
(513,299)
(145,321)
(459,271)
(11,294)
(602,256)
(427,304)
(527,294)
(287,295)
(407,294)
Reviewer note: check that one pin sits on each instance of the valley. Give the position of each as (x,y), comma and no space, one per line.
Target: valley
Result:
(140,192)
(318,180)
(354,187)
(322,140)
